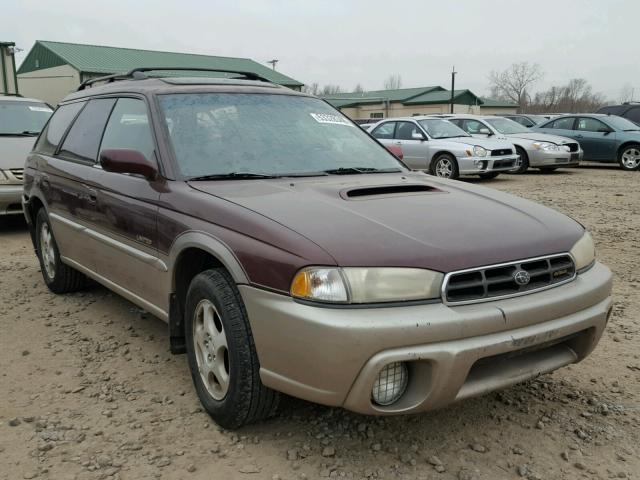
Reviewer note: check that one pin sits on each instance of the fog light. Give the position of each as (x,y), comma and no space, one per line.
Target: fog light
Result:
(480,164)
(390,383)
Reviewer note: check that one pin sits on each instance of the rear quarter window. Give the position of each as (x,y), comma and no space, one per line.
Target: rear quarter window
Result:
(56,128)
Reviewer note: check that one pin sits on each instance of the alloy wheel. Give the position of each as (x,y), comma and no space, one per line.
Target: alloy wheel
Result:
(47,251)
(444,168)
(211,349)
(631,158)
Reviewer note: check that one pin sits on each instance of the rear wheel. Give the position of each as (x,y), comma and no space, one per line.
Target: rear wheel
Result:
(629,157)
(222,355)
(489,176)
(445,166)
(60,278)
(524,160)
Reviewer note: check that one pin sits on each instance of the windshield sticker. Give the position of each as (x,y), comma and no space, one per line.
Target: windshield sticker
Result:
(328,118)
(40,109)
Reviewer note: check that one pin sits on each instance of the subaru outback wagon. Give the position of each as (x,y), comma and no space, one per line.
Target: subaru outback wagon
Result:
(289,251)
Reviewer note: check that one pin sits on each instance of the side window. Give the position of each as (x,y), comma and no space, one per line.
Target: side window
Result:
(633,115)
(83,139)
(457,122)
(384,131)
(473,126)
(129,128)
(562,123)
(58,124)
(586,124)
(406,130)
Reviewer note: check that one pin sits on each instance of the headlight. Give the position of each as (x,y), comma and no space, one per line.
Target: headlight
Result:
(478,151)
(584,252)
(549,147)
(366,285)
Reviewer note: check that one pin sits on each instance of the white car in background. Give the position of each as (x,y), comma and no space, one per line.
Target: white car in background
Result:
(442,149)
(537,150)
(21,120)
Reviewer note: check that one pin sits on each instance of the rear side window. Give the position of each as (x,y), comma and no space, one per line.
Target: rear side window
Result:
(83,140)
(129,128)
(385,131)
(58,124)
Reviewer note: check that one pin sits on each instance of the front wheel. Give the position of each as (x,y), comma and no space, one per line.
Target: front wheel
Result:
(445,166)
(60,278)
(221,353)
(524,160)
(630,157)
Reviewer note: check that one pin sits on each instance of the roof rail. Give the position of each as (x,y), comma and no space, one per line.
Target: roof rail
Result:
(139,74)
(7,94)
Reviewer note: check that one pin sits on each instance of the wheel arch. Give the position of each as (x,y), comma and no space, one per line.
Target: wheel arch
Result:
(437,154)
(625,145)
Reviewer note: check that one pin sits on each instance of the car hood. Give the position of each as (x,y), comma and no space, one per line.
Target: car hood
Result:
(450,226)
(14,151)
(488,143)
(542,137)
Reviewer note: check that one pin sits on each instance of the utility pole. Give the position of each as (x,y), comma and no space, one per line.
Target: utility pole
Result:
(453,85)
(273,63)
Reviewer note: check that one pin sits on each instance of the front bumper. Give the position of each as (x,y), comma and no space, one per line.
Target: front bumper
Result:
(478,165)
(10,199)
(543,158)
(333,355)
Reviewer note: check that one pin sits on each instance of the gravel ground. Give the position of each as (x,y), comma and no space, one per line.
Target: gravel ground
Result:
(89,390)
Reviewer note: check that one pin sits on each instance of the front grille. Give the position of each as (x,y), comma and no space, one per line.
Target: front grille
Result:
(501,152)
(503,163)
(17,173)
(573,147)
(484,283)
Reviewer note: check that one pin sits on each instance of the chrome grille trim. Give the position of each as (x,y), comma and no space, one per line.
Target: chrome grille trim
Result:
(485,283)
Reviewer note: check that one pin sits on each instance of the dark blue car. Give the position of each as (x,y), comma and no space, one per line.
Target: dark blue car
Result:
(605,138)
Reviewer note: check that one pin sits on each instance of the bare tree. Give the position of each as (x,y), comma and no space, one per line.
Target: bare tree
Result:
(312,89)
(331,89)
(574,97)
(393,82)
(515,82)
(627,93)
(358,89)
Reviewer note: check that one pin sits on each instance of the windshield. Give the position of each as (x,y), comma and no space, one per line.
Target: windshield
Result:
(620,123)
(506,126)
(19,117)
(275,135)
(439,128)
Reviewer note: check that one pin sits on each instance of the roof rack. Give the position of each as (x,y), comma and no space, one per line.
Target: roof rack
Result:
(139,74)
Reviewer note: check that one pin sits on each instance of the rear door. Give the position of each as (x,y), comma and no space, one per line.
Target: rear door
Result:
(127,207)
(597,139)
(416,152)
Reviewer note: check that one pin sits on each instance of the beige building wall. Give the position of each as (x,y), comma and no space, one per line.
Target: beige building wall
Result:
(400,110)
(497,110)
(50,84)
(7,61)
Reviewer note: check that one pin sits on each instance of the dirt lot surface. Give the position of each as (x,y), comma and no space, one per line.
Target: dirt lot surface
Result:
(89,390)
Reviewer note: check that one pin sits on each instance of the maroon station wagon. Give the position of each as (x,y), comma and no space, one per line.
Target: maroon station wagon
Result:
(288,251)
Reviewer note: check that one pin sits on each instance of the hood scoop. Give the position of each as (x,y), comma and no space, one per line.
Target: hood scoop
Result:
(364,193)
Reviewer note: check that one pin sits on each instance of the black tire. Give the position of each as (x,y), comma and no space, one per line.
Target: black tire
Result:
(629,164)
(438,166)
(524,160)
(246,399)
(489,176)
(548,169)
(59,278)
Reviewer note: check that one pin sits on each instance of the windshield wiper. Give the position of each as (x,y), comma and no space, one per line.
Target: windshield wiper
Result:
(352,170)
(232,175)
(19,134)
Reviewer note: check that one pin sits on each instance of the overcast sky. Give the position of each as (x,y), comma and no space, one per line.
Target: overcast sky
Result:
(352,41)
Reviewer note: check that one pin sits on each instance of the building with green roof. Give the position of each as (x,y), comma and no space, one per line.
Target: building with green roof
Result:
(405,102)
(51,70)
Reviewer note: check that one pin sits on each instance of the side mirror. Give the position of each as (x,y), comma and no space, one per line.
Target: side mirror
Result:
(128,161)
(417,136)
(485,131)
(605,130)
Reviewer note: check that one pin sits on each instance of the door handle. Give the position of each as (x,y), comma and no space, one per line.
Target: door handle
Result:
(579,136)
(398,143)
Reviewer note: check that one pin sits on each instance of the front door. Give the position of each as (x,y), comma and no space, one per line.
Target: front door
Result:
(415,151)
(597,139)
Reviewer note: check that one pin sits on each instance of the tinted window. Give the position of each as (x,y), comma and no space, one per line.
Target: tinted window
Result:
(129,128)
(590,125)
(18,117)
(385,131)
(634,114)
(521,121)
(83,139)
(613,110)
(268,134)
(562,123)
(59,123)
(406,130)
